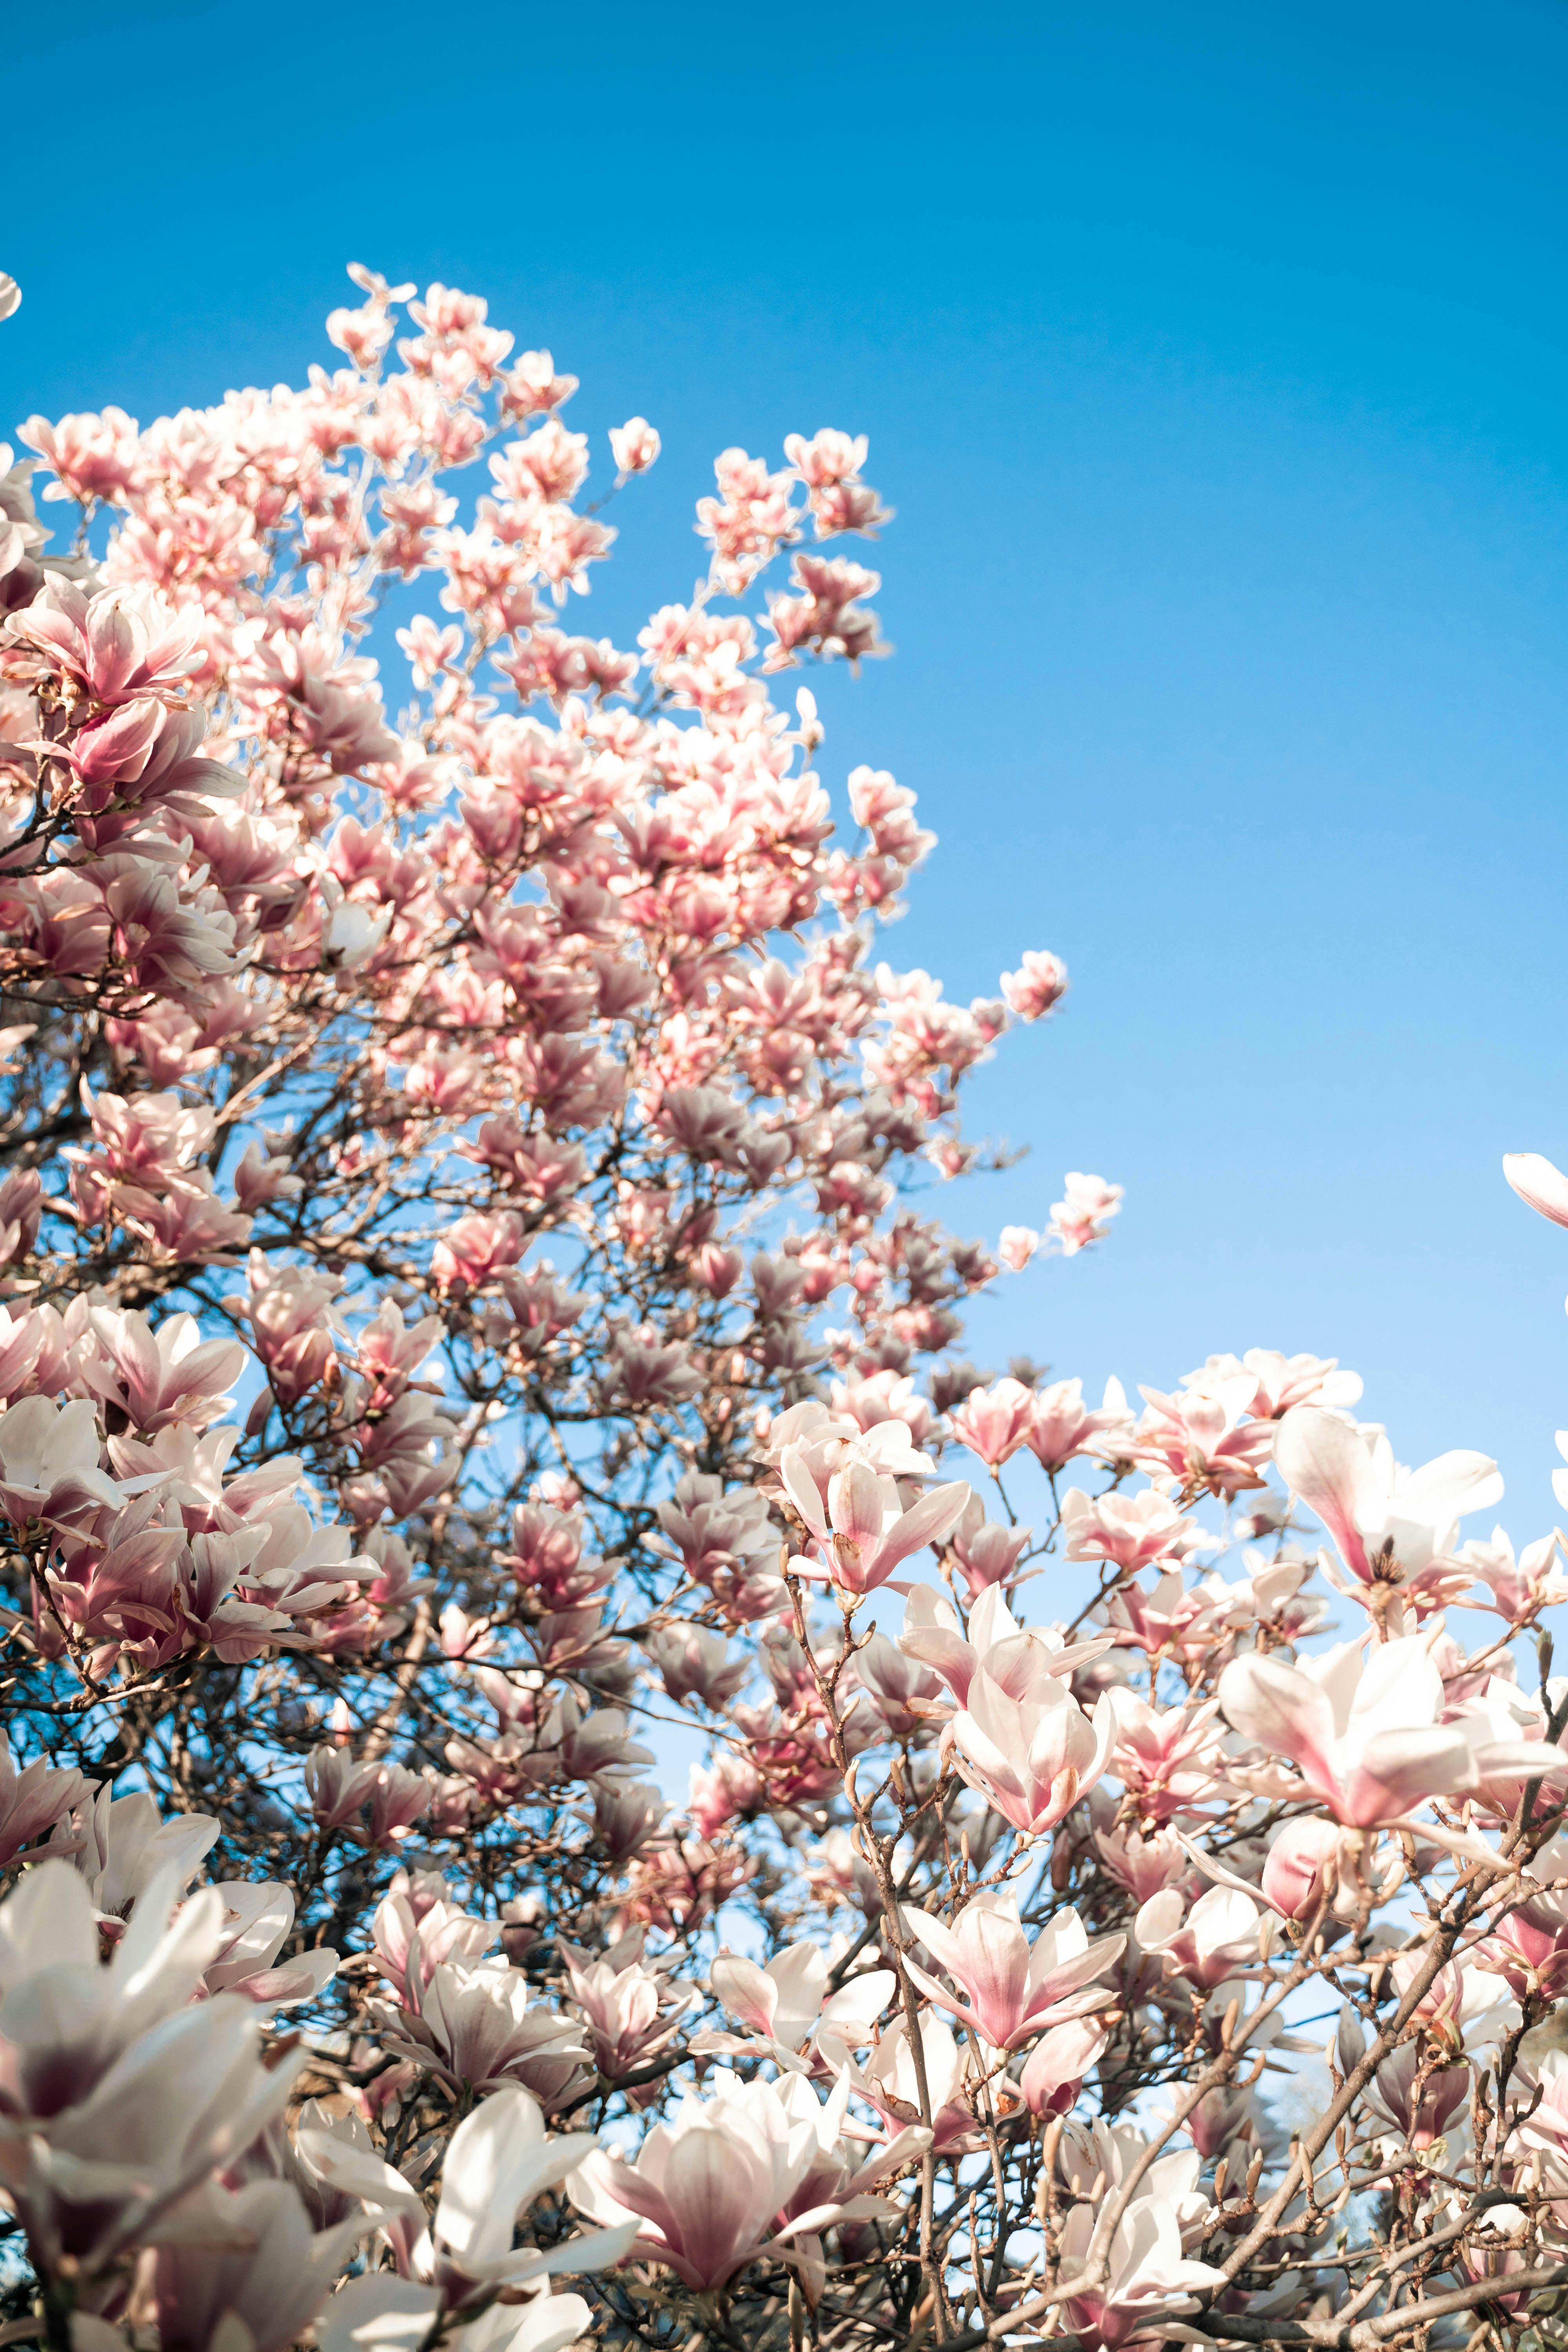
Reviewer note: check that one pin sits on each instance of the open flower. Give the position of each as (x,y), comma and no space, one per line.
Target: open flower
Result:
(1393,1527)
(48,1461)
(1028,1746)
(1149,2277)
(708,2187)
(1013,1656)
(791,2014)
(864,1532)
(1015,1988)
(500,2159)
(1364,1733)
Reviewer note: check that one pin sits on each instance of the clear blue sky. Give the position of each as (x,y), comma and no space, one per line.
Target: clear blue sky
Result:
(1215,360)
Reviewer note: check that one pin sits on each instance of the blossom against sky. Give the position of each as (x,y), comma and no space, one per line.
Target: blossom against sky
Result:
(1215,366)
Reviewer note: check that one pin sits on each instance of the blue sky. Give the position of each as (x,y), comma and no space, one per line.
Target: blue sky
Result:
(1215,362)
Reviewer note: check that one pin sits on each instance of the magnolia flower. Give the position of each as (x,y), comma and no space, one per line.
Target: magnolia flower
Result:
(1015,1988)
(790,2011)
(338,1788)
(1545,2127)
(255,2273)
(1278,1382)
(1201,1437)
(902,1693)
(124,2091)
(708,2187)
(1133,1530)
(633,446)
(473,2025)
(1417,2100)
(823,1443)
(692,1663)
(1392,1527)
(629,2010)
(1030,1750)
(1147,2276)
(839,2173)
(33,1799)
(864,1532)
(1054,2072)
(986,1551)
(122,1847)
(1013,1655)
(1365,1733)
(1039,982)
(1168,1757)
(1063,1425)
(1297,1860)
(995,1422)
(48,1461)
(498,2160)
(1210,1942)
(258,1920)
(1084,1215)
(1520,1588)
(889,2082)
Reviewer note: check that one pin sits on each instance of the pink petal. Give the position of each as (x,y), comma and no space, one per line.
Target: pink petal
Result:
(1284,1711)
(1324,1461)
(1540,1185)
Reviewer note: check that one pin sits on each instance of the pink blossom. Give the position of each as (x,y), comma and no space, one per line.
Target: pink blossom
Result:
(1293,1873)
(1039,983)
(1149,2277)
(634,445)
(1209,1943)
(339,1790)
(1392,1527)
(1083,1215)
(985,1551)
(1365,1733)
(90,456)
(1031,1753)
(118,645)
(33,1800)
(709,2187)
(1279,1381)
(864,1532)
(1199,1438)
(996,1421)
(629,2010)
(1014,1656)
(1015,1988)
(1053,2072)
(49,1461)
(1063,1425)
(1131,1530)
(888,2081)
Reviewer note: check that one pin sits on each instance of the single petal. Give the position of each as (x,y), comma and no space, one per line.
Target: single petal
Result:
(1538,1185)
(1325,1464)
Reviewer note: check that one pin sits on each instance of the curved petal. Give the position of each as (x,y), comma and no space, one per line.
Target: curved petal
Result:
(1540,1185)
(1284,1711)
(804,1492)
(745,1991)
(1325,1464)
(1399,1769)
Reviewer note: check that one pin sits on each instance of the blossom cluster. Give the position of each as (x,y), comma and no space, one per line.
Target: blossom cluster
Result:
(464,1306)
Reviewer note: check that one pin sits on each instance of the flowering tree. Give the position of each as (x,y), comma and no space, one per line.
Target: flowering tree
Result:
(464,1306)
